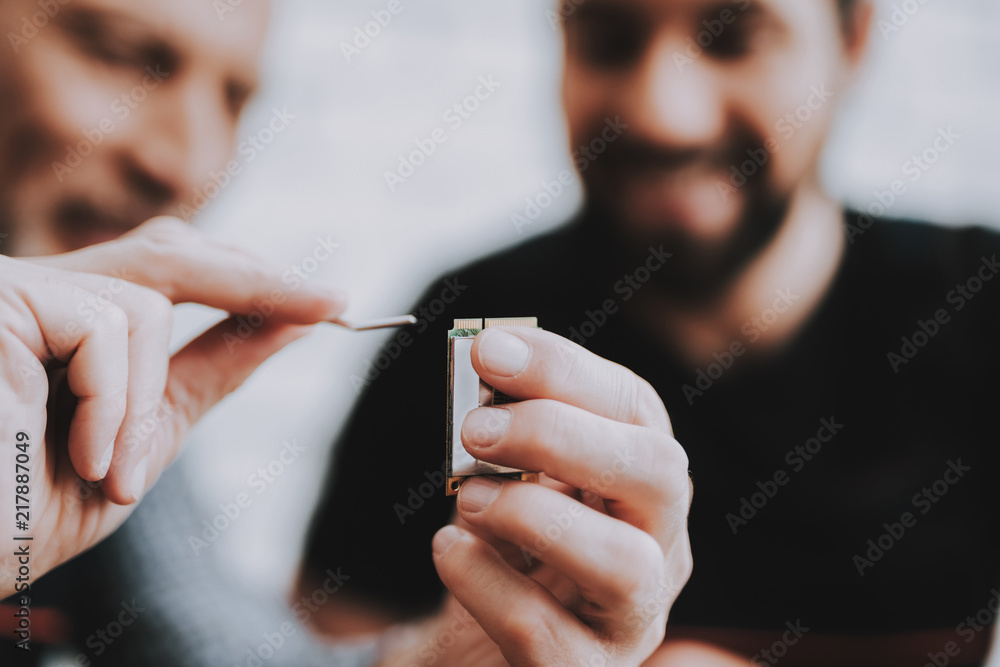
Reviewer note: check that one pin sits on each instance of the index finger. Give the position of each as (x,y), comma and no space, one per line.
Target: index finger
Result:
(186,266)
(531,363)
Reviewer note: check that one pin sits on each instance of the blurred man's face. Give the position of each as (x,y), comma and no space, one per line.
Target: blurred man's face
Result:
(704,86)
(115,111)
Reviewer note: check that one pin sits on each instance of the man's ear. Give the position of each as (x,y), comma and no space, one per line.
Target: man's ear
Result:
(857,30)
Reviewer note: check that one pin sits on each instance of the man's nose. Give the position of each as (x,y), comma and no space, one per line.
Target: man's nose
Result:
(674,100)
(182,136)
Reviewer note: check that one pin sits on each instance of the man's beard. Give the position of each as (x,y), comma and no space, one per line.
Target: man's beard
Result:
(697,273)
(699,269)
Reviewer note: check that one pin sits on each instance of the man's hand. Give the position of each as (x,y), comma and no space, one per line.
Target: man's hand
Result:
(581,569)
(86,374)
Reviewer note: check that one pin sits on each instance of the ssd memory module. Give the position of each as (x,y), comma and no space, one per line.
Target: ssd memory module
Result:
(466,392)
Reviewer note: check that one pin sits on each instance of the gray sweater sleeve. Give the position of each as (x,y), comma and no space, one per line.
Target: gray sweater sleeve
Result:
(182,608)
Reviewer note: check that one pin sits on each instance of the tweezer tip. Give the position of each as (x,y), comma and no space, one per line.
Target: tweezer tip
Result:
(382,323)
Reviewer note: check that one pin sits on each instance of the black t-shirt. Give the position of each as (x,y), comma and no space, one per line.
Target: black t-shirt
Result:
(876,422)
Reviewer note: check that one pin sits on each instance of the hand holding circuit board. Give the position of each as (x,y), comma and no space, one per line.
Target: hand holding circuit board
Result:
(603,532)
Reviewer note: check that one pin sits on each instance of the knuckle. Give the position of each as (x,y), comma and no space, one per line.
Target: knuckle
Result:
(677,455)
(668,459)
(645,567)
(566,364)
(156,308)
(558,373)
(112,321)
(671,476)
(554,426)
(527,629)
(656,464)
(677,468)
(633,398)
(683,565)
(623,397)
(646,400)
(671,457)
(159,243)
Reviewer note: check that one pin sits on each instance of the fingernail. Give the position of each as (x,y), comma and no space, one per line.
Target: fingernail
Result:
(105,464)
(477,494)
(444,538)
(137,483)
(484,426)
(503,353)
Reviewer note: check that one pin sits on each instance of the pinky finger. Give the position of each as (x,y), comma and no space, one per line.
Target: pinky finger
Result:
(526,621)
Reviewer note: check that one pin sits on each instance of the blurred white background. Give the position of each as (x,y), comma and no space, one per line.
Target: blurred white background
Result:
(325,176)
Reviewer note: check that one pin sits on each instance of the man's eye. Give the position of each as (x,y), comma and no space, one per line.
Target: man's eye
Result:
(133,57)
(114,54)
(747,34)
(96,43)
(607,41)
(100,43)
